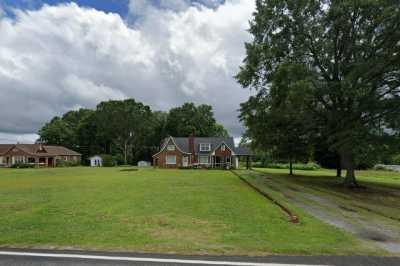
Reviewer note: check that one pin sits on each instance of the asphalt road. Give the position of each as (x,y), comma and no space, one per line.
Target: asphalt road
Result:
(24,257)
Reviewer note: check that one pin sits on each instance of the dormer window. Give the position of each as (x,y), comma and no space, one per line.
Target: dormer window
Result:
(171,147)
(223,147)
(205,147)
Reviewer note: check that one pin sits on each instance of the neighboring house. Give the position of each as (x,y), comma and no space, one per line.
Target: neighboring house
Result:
(96,161)
(38,154)
(214,152)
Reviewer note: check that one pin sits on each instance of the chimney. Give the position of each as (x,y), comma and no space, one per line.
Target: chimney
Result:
(191,147)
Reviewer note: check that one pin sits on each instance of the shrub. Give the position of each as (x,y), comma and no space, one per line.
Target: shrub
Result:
(382,167)
(379,167)
(22,165)
(108,160)
(396,159)
(296,166)
(63,163)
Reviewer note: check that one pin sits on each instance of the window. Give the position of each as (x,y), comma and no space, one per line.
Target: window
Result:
(203,159)
(171,147)
(223,147)
(205,147)
(171,159)
(19,159)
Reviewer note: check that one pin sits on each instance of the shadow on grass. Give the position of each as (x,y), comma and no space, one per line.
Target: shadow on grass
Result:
(129,170)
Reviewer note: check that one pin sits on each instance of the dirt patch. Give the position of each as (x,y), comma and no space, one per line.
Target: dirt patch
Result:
(129,170)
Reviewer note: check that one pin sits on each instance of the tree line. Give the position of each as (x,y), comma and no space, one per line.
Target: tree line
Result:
(327,81)
(128,130)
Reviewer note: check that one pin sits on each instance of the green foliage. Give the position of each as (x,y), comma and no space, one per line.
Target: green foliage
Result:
(188,119)
(296,166)
(64,131)
(108,160)
(333,64)
(262,158)
(396,159)
(127,129)
(22,165)
(63,163)
(276,119)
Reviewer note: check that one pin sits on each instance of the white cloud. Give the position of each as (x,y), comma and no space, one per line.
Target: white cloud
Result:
(17,138)
(59,57)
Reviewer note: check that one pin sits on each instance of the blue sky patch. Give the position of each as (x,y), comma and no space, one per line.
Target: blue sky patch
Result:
(114,6)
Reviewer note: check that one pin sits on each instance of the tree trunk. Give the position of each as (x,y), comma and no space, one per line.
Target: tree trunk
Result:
(338,166)
(338,171)
(290,166)
(126,152)
(347,161)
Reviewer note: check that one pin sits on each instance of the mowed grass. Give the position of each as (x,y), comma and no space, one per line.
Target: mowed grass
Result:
(177,211)
(365,177)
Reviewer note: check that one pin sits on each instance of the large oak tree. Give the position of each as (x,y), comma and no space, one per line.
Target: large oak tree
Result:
(349,54)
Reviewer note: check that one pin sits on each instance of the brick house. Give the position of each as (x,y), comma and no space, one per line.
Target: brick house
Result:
(214,152)
(37,154)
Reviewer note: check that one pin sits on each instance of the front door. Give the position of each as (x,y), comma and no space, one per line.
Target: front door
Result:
(185,161)
(218,161)
(228,161)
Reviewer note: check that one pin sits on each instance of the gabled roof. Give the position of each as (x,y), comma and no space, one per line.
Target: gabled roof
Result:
(5,148)
(165,143)
(60,150)
(34,149)
(183,145)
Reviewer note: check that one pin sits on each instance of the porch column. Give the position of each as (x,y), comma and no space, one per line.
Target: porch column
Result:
(236,162)
(46,161)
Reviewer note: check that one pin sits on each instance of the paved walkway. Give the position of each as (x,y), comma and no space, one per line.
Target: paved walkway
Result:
(24,257)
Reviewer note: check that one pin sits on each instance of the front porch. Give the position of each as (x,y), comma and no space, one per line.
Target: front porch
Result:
(43,161)
(213,161)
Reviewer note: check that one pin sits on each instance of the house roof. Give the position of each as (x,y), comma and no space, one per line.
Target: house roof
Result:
(183,144)
(5,148)
(244,151)
(34,149)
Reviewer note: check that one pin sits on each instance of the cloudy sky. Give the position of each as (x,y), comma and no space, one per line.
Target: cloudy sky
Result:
(61,55)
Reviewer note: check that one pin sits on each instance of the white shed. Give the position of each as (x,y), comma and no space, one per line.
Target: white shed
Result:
(143,164)
(96,161)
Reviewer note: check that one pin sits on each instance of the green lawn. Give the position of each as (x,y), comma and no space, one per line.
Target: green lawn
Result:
(366,177)
(183,211)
